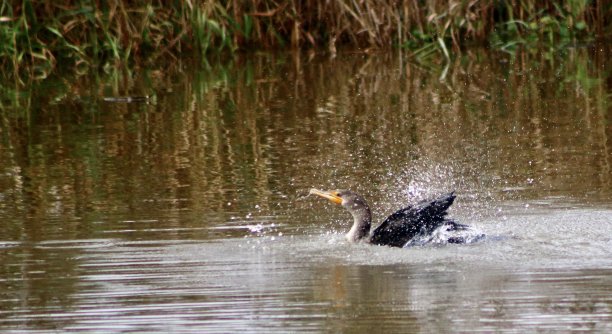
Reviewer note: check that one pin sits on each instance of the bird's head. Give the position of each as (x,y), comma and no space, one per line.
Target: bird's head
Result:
(349,200)
(356,205)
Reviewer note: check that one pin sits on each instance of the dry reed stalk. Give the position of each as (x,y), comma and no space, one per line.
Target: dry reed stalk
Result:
(45,32)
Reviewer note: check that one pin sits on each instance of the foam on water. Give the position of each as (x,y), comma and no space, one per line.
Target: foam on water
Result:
(525,238)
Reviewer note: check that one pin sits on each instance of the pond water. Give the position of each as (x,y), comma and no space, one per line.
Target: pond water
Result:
(187,212)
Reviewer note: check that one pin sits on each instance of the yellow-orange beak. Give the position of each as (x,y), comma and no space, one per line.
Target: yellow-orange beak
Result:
(330,195)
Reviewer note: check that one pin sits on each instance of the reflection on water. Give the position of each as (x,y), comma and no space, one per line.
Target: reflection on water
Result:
(186,213)
(307,283)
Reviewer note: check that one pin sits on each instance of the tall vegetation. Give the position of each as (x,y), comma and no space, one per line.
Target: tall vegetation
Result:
(36,35)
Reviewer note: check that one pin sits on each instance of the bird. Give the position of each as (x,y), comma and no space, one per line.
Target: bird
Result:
(420,224)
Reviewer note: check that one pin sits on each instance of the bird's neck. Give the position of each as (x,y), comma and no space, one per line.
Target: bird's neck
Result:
(361,226)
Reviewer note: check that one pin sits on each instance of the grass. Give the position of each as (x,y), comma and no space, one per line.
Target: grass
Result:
(38,35)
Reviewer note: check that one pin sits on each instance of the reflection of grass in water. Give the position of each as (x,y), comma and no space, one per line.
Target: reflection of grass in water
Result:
(260,129)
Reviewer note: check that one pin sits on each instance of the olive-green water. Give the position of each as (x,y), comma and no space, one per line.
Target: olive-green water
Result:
(187,212)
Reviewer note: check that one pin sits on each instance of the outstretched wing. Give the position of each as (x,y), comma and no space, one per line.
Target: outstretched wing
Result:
(411,221)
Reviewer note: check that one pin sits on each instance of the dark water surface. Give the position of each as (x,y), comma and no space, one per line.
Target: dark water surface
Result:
(186,213)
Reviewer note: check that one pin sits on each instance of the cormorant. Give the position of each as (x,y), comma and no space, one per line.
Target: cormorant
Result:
(411,225)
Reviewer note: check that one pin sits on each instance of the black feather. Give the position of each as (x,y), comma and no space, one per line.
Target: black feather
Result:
(405,224)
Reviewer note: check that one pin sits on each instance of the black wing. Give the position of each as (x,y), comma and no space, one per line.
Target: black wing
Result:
(411,221)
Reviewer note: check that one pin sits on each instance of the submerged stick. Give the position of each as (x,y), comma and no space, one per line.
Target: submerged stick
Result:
(127,99)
